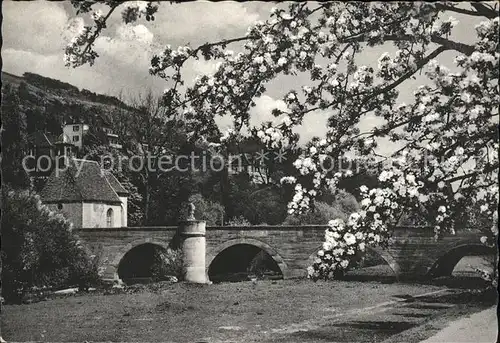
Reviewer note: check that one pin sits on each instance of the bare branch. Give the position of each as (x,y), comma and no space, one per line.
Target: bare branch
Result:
(466,49)
(449,44)
(97,31)
(477,13)
(485,10)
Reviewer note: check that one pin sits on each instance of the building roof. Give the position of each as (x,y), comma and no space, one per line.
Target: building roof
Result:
(117,186)
(82,181)
(40,139)
(46,140)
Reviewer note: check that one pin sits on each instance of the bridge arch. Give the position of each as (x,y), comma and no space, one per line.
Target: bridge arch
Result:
(247,241)
(388,258)
(384,254)
(119,256)
(444,264)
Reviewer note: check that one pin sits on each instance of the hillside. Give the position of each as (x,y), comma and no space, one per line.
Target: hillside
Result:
(48,103)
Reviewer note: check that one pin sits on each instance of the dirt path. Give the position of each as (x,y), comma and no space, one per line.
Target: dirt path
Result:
(481,327)
(394,320)
(318,323)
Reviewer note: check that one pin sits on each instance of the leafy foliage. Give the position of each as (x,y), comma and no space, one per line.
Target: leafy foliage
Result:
(257,203)
(210,211)
(167,263)
(39,248)
(14,140)
(49,83)
(239,221)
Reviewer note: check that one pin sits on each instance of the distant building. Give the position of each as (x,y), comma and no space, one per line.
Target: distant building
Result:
(75,133)
(112,138)
(44,148)
(87,195)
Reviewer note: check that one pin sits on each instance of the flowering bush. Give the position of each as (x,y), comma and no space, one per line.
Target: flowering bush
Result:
(39,248)
(447,136)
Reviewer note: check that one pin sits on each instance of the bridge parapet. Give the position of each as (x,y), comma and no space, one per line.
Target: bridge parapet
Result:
(413,252)
(126,229)
(267,227)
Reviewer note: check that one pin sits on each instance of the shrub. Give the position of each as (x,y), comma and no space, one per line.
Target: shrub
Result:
(262,263)
(259,205)
(239,221)
(490,239)
(210,211)
(48,83)
(167,263)
(345,202)
(39,249)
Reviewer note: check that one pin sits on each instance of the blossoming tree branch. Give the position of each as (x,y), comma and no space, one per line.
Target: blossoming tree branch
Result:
(447,157)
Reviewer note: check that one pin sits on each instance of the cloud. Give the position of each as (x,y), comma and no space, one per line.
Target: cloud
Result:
(313,125)
(370,121)
(262,111)
(197,22)
(72,28)
(100,78)
(139,33)
(20,61)
(258,114)
(33,26)
(129,56)
(35,34)
(200,67)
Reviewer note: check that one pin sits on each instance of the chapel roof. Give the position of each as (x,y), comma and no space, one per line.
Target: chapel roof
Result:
(82,181)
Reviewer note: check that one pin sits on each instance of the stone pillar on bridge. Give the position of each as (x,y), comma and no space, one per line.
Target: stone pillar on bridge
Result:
(193,247)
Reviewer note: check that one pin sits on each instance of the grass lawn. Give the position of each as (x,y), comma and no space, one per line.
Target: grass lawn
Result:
(265,311)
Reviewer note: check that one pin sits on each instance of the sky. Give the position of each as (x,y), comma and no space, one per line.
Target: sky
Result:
(35,34)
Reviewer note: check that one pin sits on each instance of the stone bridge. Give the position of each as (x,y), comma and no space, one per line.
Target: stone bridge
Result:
(414,252)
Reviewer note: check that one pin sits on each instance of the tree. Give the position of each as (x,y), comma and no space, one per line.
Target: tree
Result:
(261,205)
(249,183)
(210,211)
(154,133)
(145,132)
(447,136)
(14,140)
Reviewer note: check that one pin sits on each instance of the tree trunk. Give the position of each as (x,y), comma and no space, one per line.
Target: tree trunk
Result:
(224,189)
(147,199)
